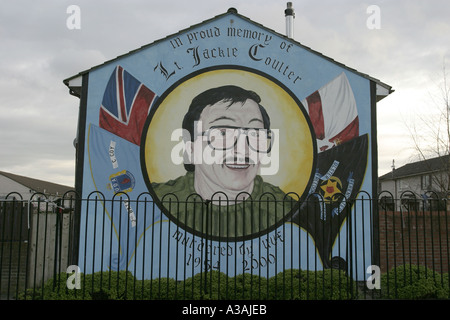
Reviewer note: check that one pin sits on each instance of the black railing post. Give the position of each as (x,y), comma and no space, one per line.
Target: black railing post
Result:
(205,264)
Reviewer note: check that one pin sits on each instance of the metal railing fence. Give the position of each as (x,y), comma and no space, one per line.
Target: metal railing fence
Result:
(122,248)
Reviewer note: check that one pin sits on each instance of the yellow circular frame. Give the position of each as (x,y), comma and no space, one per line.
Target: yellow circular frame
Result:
(296,147)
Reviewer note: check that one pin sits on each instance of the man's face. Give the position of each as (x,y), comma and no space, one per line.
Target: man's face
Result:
(236,169)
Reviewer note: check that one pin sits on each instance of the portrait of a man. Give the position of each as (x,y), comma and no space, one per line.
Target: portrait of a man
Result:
(227,132)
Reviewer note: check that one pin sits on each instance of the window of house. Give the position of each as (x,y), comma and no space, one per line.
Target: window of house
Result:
(403,185)
(426,182)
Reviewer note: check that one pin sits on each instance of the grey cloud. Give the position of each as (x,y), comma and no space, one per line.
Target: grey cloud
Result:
(38,51)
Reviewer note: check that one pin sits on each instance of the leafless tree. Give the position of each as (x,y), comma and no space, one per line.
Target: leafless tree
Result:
(431,133)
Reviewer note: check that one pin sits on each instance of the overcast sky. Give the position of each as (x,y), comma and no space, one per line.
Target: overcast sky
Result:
(38,51)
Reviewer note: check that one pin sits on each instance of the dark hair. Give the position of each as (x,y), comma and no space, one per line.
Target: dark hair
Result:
(229,93)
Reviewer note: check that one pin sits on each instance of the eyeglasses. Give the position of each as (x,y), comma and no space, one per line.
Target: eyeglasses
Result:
(226,137)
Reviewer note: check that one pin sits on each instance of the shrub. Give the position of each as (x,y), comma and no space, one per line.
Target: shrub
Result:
(106,285)
(159,289)
(213,285)
(250,286)
(414,282)
(330,284)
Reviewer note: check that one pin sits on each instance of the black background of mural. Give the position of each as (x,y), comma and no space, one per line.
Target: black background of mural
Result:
(317,216)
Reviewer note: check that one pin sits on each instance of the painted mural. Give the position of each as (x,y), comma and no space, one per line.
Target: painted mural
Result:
(226,138)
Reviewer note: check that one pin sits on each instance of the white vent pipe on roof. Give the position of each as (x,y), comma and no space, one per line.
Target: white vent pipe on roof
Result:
(290,15)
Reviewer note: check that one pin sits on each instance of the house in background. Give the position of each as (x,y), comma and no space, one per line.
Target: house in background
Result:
(28,239)
(27,187)
(417,181)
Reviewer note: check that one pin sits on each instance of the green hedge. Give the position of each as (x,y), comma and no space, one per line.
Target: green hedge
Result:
(330,284)
(414,282)
(402,282)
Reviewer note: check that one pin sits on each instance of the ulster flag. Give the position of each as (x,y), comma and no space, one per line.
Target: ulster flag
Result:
(333,113)
(338,179)
(125,106)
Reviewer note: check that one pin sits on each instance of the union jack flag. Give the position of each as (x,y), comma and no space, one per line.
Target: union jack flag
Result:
(125,106)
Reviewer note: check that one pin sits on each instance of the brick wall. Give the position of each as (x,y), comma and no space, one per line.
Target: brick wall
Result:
(419,238)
